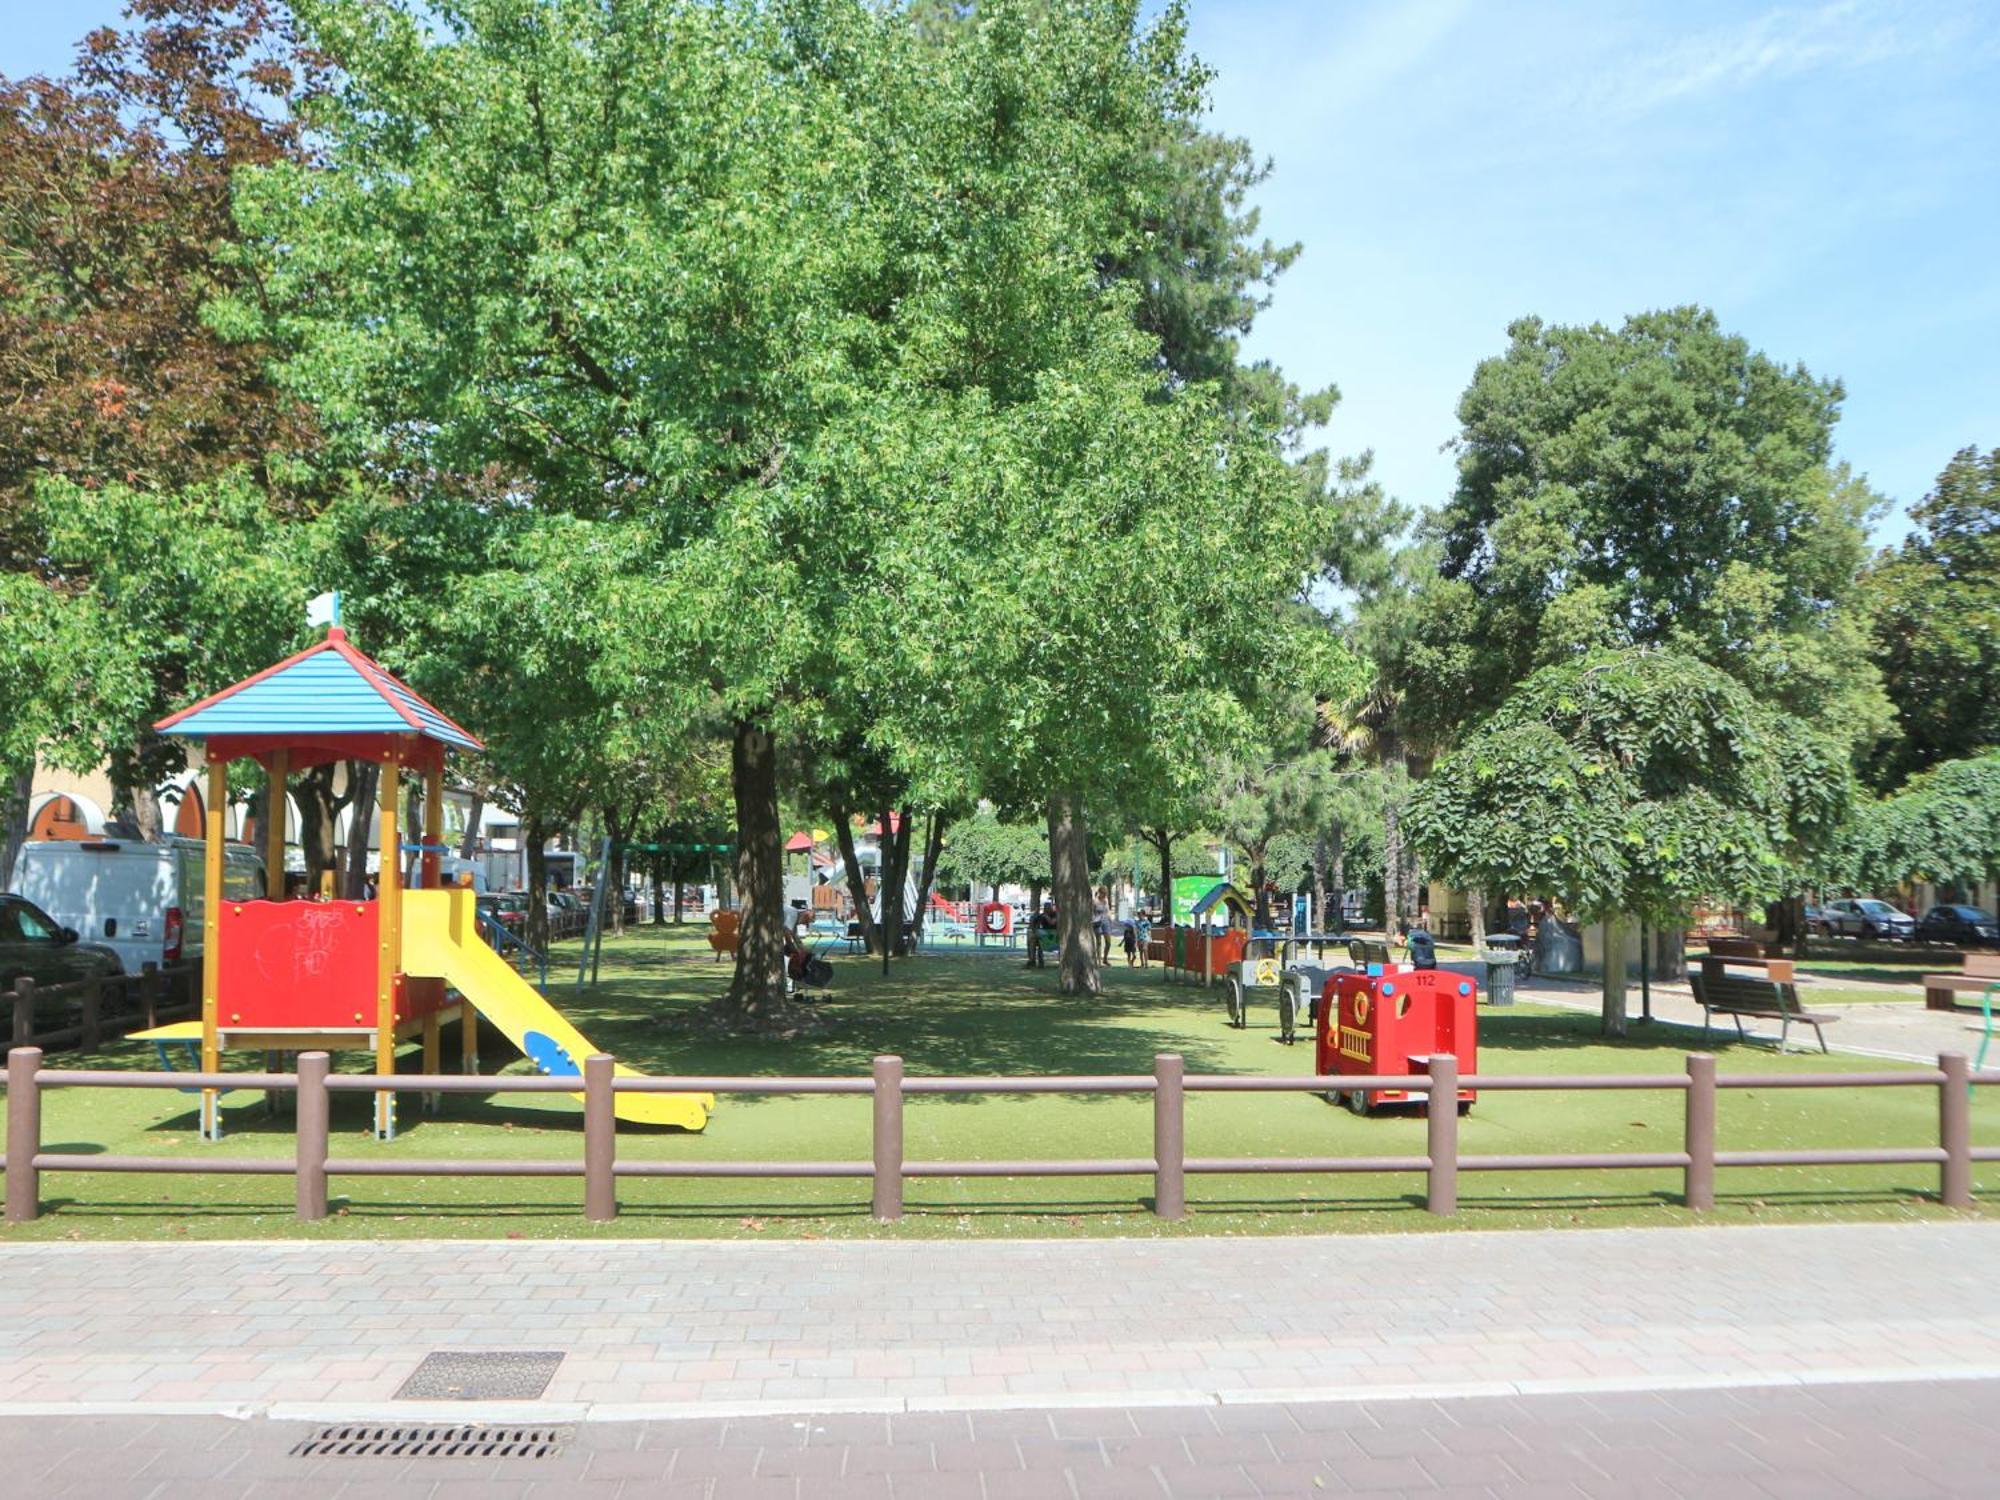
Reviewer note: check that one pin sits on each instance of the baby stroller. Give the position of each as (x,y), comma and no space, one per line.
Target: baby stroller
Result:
(808,976)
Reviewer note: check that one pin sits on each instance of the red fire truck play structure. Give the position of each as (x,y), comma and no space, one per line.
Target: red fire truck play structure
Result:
(1390,1020)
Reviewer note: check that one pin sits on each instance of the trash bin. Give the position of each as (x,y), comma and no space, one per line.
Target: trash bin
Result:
(1501,954)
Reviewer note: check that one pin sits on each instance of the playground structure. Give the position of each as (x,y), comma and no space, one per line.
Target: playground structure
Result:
(1391,1019)
(1194,943)
(285,976)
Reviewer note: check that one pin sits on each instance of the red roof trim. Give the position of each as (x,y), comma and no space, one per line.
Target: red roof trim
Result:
(234,688)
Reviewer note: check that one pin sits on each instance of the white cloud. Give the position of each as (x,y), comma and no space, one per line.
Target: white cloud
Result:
(1784,43)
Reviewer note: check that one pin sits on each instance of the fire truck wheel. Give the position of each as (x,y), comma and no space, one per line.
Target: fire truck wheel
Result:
(1464,1108)
(1357,1101)
(1236,1006)
(1288,1015)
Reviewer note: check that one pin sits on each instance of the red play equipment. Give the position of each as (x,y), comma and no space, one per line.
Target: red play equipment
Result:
(1390,1020)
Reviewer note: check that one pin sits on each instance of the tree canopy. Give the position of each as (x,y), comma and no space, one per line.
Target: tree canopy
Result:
(1937,621)
(1634,781)
(1657,484)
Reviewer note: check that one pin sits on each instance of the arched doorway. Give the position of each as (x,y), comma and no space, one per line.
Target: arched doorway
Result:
(190,820)
(63,817)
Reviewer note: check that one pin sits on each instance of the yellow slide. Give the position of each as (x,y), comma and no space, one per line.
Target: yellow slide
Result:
(441,941)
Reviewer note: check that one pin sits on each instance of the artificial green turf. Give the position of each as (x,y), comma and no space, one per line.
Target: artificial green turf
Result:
(967,1013)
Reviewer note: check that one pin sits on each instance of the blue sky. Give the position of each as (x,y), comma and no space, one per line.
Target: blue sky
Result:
(1820,173)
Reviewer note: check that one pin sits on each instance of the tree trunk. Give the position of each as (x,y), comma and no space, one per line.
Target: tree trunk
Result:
(758,989)
(469,844)
(534,840)
(926,878)
(319,810)
(1614,975)
(144,803)
(843,825)
(1069,859)
(1260,902)
(1475,906)
(1163,840)
(412,831)
(19,793)
(1319,883)
(895,882)
(1392,866)
(362,777)
(612,876)
(1337,869)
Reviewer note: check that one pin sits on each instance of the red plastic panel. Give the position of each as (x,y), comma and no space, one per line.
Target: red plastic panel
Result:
(298,963)
(418,997)
(1377,1023)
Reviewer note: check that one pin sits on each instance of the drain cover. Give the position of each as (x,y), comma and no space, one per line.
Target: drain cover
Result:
(467,1441)
(461,1375)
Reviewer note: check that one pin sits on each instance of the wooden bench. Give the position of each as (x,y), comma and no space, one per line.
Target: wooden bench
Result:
(1941,991)
(1740,995)
(1726,953)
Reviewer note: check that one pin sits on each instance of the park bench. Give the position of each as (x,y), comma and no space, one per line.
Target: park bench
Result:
(1740,995)
(1941,991)
(1726,953)
(1365,951)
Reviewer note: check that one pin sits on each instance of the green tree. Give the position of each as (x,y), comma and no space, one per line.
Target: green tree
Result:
(1942,826)
(1937,621)
(534,248)
(1658,484)
(189,590)
(1632,782)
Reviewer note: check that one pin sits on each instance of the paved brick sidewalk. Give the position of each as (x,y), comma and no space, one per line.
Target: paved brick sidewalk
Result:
(1789,1443)
(647,1327)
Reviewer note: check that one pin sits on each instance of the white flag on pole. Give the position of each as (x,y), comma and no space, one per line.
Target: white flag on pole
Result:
(323,609)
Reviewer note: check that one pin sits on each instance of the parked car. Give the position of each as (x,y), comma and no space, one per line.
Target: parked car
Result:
(35,946)
(1963,926)
(141,901)
(508,908)
(1869,918)
(1816,921)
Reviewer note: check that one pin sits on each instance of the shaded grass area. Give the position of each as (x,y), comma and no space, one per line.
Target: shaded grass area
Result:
(972,1014)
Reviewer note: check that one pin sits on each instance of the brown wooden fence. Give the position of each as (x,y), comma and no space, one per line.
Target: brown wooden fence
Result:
(312,1162)
(86,1012)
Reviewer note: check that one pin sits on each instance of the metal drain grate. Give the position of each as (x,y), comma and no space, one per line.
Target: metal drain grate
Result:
(461,1375)
(470,1440)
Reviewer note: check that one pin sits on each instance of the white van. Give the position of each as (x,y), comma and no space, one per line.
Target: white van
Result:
(143,901)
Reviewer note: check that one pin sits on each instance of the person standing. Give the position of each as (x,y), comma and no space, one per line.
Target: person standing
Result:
(1100,924)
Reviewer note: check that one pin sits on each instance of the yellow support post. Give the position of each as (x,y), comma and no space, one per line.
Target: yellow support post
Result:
(274,825)
(433,864)
(389,911)
(213,839)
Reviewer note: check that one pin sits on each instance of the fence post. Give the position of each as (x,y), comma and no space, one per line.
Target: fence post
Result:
(312,1112)
(1955,1130)
(24,1011)
(149,993)
(888,1138)
(600,1140)
(1441,1134)
(1169,1136)
(1698,1185)
(93,1013)
(24,1135)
